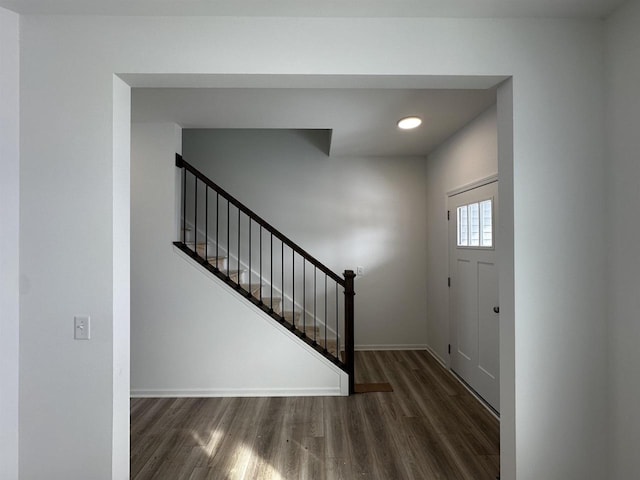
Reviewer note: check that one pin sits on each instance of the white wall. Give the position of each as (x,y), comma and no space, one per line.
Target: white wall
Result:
(190,333)
(506,265)
(121,235)
(470,155)
(623,166)
(67,205)
(346,212)
(9,243)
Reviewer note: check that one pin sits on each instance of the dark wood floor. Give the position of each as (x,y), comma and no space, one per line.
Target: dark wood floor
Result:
(429,427)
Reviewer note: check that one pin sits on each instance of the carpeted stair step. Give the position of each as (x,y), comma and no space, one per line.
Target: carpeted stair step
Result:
(210,249)
(311,331)
(291,317)
(219,262)
(200,249)
(331,346)
(254,288)
(234,275)
(275,303)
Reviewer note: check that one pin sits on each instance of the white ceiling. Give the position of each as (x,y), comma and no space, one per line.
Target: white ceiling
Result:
(324,8)
(362,121)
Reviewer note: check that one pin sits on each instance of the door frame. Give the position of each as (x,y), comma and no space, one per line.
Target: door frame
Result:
(456,191)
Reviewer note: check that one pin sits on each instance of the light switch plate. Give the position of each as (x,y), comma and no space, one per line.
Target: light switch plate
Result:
(82,327)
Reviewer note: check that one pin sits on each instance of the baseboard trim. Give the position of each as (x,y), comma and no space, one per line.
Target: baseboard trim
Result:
(481,400)
(408,346)
(237,392)
(440,360)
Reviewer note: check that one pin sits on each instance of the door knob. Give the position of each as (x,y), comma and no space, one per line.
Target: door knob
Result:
(496,309)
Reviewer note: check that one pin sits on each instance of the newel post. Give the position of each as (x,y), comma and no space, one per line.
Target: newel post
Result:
(349,293)
(183,172)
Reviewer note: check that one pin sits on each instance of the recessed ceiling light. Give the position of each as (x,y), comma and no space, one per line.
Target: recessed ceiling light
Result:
(409,123)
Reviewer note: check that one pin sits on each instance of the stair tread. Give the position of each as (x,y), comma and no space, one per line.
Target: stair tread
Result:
(291,316)
(275,299)
(268,301)
(200,245)
(310,329)
(233,274)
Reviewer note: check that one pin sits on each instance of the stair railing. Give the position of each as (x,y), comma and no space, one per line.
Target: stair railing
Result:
(267,268)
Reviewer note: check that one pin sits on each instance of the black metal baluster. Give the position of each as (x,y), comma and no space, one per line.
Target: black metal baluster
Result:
(261,263)
(293,288)
(250,291)
(304,295)
(195,216)
(337,326)
(206,223)
(217,227)
(326,295)
(238,246)
(315,298)
(271,273)
(228,238)
(282,278)
(184,206)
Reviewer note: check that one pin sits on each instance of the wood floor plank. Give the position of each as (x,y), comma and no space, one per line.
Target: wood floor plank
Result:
(338,469)
(168,443)
(437,456)
(336,437)
(360,454)
(288,462)
(216,439)
(201,473)
(369,370)
(239,436)
(151,410)
(387,458)
(430,427)
(403,403)
(142,449)
(266,446)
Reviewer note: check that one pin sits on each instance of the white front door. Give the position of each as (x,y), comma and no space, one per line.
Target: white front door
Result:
(473,293)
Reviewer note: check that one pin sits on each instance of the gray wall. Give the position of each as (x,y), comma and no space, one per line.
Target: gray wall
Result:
(468,156)
(9,243)
(623,231)
(346,212)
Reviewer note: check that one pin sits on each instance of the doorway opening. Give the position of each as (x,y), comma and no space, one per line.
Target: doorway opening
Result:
(505,260)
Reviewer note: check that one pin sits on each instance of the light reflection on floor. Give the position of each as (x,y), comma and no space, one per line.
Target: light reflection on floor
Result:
(242,456)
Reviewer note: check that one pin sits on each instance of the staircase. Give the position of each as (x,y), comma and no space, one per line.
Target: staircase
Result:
(267,268)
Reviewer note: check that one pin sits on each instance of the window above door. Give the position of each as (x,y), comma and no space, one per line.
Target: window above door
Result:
(475,225)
